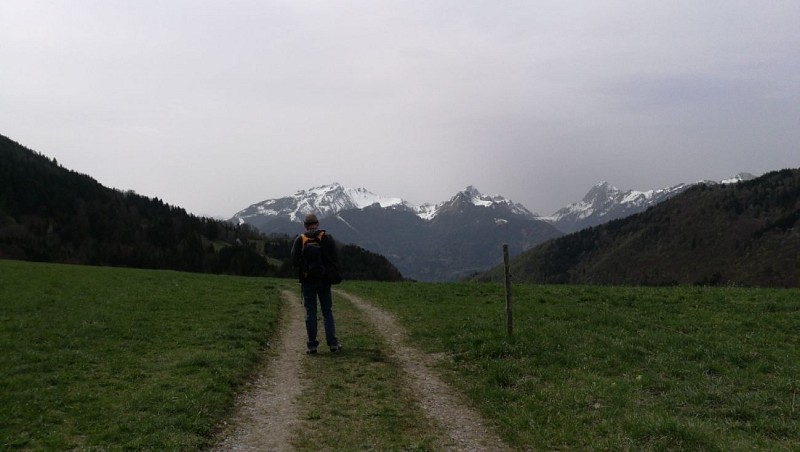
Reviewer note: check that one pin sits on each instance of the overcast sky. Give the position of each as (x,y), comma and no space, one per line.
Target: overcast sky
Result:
(216,105)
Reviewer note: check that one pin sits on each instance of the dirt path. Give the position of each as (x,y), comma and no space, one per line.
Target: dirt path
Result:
(443,405)
(266,413)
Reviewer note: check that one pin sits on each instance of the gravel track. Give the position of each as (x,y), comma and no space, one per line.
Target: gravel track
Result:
(467,430)
(266,412)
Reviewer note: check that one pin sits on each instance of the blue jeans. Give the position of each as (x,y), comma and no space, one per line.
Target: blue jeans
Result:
(312,290)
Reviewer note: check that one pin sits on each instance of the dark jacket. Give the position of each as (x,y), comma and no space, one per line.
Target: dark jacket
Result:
(330,255)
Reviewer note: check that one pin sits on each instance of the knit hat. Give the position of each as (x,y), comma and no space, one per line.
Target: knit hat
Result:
(310,219)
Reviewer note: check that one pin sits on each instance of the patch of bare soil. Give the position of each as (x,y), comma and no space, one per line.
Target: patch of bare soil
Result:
(468,431)
(266,413)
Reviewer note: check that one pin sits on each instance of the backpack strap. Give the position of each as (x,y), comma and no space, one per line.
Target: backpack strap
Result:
(304,239)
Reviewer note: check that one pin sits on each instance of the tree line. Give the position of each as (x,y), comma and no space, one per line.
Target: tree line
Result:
(52,214)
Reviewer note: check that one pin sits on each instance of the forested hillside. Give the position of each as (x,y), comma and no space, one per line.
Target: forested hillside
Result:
(49,213)
(52,214)
(742,234)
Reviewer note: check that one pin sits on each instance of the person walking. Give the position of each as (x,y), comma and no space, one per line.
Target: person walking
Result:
(314,253)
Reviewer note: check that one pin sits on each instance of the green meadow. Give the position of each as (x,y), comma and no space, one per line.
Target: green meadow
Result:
(616,368)
(95,357)
(102,358)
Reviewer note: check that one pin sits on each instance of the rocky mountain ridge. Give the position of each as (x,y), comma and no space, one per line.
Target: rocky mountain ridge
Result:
(446,241)
(329,200)
(451,239)
(605,202)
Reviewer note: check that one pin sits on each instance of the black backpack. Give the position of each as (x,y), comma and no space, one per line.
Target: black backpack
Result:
(313,264)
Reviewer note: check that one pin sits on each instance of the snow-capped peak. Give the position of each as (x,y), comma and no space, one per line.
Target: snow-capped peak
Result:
(335,194)
(471,195)
(600,192)
(329,200)
(324,200)
(604,198)
(605,202)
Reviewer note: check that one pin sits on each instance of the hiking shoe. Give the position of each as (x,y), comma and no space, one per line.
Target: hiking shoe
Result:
(311,351)
(336,348)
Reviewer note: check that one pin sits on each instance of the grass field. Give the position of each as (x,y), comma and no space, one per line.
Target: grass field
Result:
(134,359)
(616,368)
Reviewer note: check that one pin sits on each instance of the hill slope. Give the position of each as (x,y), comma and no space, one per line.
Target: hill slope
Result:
(604,203)
(52,214)
(746,233)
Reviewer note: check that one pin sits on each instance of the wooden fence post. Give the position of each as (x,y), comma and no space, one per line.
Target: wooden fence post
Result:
(507,275)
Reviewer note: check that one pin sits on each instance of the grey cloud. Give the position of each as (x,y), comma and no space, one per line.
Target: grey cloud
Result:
(210,105)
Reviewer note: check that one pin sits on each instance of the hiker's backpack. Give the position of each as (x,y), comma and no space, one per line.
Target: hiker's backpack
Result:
(313,266)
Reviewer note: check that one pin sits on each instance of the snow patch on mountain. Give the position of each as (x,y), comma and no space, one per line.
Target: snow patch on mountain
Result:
(427,211)
(346,223)
(741,177)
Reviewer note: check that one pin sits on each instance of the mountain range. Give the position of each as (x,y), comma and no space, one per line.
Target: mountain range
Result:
(710,234)
(604,203)
(452,239)
(704,233)
(446,241)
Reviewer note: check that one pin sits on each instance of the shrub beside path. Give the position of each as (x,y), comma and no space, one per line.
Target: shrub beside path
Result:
(267,411)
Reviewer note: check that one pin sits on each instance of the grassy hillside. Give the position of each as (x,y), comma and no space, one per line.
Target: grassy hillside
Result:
(94,357)
(614,368)
(741,234)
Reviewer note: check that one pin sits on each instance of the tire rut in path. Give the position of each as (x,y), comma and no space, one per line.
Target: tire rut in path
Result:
(266,413)
(468,431)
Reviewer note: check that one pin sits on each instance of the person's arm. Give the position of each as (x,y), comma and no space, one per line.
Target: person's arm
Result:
(333,252)
(296,256)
